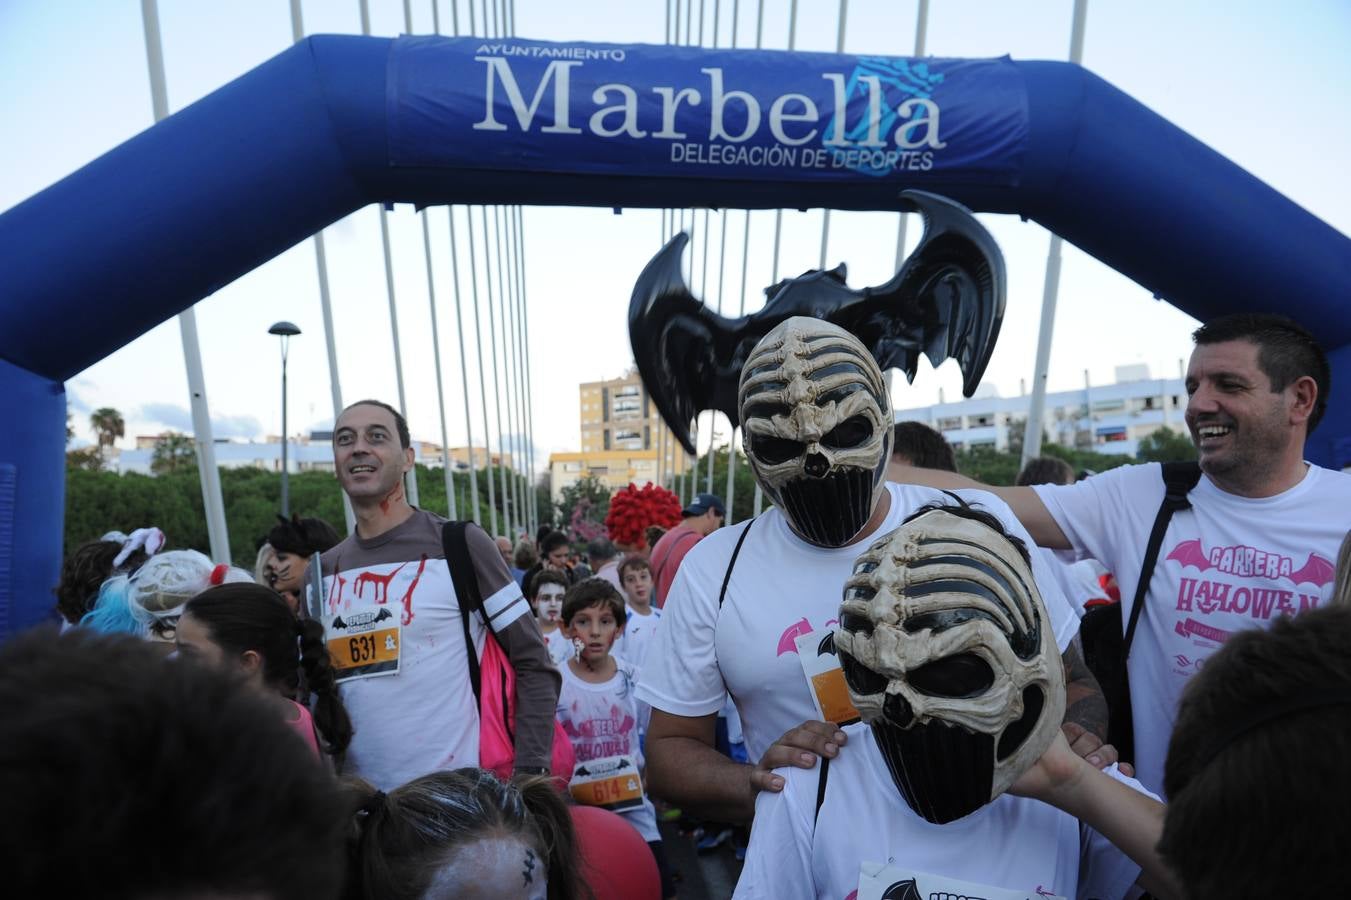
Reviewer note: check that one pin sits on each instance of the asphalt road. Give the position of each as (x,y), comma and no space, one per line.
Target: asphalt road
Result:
(700,876)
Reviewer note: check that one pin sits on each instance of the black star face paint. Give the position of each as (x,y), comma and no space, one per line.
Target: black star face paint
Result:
(528,873)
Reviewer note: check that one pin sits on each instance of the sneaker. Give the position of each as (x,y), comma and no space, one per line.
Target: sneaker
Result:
(713,841)
(670,814)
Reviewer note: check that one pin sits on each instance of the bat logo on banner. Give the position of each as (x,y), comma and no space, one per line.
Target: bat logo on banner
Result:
(1316,570)
(947,301)
(1191,553)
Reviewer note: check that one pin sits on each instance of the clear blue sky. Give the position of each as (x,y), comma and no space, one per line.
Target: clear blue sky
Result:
(1266,84)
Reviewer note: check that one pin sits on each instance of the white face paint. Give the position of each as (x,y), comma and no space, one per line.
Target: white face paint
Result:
(816,427)
(950,655)
(549,600)
(500,868)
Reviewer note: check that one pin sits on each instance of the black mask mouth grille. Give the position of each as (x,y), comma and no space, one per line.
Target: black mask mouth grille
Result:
(943,771)
(829,511)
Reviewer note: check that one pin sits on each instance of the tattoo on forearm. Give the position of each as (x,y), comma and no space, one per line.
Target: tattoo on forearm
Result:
(1084,703)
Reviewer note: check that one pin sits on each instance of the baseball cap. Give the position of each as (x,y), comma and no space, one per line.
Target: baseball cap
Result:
(703,503)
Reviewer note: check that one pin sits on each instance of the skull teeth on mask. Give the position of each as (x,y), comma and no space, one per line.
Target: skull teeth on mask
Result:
(949,655)
(816,427)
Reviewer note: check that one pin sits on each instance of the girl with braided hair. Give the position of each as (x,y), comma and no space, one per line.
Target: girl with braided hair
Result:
(251,629)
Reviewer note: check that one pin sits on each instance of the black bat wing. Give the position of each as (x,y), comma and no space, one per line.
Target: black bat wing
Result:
(947,301)
(685,352)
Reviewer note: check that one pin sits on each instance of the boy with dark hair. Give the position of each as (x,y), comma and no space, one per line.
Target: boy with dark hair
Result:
(636,575)
(916,444)
(641,626)
(598,711)
(1256,771)
(1046,470)
(126,775)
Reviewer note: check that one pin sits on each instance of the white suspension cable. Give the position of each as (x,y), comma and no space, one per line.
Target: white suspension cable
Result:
(497,391)
(510,498)
(217,534)
(446,467)
(921,28)
(475,513)
(410,480)
(525,305)
(839,48)
(482,379)
(778,213)
(325,297)
(518,344)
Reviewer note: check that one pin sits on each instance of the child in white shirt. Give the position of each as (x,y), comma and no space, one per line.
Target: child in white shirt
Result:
(643,617)
(597,710)
(545,593)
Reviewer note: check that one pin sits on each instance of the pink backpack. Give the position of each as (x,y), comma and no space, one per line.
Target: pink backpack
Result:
(492,676)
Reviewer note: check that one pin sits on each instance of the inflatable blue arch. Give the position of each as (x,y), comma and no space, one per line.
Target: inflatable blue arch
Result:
(336,123)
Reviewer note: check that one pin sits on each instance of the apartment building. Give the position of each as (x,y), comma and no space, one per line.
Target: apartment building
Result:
(622,436)
(1108,418)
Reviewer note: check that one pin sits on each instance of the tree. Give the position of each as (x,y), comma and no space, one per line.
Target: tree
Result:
(583,507)
(544,493)
(1166,445)
(87,458)
(173,451)
(108,426)
(743,493)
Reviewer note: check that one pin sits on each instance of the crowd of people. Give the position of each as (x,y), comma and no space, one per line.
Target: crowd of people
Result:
(902,682)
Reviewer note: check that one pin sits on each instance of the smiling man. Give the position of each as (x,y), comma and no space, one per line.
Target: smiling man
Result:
(393,621)
(1259,539)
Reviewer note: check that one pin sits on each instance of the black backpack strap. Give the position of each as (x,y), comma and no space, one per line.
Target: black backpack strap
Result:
(456,548)
(736,551)
(821,790)
(1178,479)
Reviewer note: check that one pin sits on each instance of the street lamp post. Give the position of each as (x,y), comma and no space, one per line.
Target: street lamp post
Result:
(285,331)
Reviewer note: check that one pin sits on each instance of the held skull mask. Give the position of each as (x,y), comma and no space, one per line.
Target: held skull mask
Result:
(816,427)
(950,656)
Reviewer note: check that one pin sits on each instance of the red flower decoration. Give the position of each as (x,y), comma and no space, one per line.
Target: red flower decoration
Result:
(633,509)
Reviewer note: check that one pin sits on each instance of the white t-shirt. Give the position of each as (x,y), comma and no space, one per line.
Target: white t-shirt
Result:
(425,718)
(1078,580)
(636,640)
(1227,563)
(1013,843)
(781,587)
(602,721)
(559,645)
